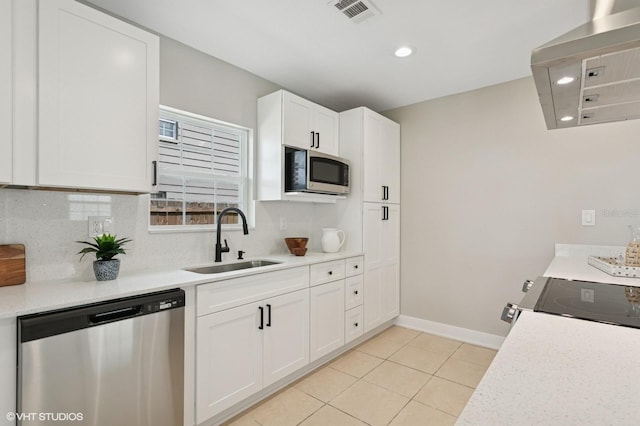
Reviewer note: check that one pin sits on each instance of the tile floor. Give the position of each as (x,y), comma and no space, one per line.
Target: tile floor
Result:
(399,377)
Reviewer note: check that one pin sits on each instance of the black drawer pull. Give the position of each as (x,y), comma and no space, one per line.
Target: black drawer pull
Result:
(261,327)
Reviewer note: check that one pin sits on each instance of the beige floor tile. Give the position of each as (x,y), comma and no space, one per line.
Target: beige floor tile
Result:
(370,403)
(475,354)
(444,395)
(397,378)
(380,347)
(416,414)
(356,363)
(434,343)
(325,384)
(329,416)
(287,408)
(420,359)
(245,420)
(399,334)
(463,372)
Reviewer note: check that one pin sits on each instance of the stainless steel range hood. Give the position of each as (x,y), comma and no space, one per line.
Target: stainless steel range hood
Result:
(603,59)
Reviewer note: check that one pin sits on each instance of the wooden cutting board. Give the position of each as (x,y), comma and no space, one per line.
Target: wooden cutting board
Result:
(12,264)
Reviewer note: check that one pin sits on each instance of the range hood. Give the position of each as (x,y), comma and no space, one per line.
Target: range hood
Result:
(591,74)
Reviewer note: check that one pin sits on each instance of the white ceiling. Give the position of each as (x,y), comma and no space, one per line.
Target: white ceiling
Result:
(310,48)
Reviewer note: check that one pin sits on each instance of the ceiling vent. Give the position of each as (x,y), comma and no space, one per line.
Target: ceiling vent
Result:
(356,10)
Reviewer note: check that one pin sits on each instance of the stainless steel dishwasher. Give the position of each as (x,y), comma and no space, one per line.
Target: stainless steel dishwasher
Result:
(118,362)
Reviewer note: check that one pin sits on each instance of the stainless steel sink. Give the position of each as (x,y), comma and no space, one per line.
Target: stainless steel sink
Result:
(217,269)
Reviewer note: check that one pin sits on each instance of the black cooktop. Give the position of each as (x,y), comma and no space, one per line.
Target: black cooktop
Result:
(607,303)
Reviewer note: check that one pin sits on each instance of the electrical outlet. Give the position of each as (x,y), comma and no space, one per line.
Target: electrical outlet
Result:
(283,223)
(99,225)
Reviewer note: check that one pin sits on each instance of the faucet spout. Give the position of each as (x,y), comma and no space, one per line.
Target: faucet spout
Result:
(245,230)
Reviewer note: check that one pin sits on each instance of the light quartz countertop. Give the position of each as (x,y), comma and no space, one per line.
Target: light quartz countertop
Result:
(33,297)
(553,370)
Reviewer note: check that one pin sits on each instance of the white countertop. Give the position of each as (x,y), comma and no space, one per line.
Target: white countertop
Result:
(577,268)
(553,370)
(43,296)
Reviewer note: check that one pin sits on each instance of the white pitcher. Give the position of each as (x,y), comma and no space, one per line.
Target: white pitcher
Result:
(331,241)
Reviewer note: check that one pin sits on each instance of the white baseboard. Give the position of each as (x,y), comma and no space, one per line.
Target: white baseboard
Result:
(479,338)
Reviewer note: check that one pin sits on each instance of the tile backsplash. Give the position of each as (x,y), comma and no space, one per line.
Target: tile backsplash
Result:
(49,223)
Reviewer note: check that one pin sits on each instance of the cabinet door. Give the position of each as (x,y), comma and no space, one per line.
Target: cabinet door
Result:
(286,335)
(6,99)
(326,124)
(372,166)
(372,245)
(326,318)
(8,356)
(390,285)
(390,160)
(297,121)
(228,359)
(98,99)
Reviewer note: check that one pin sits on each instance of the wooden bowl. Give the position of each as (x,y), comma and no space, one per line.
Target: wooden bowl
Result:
(298,251)
(297,245)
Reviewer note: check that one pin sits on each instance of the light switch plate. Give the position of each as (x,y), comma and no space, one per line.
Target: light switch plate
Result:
(588,218)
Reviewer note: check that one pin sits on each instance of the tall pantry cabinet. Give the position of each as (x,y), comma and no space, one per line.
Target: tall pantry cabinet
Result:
(372,143)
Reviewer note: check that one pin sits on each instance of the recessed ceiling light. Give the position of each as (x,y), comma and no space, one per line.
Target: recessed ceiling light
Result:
(565,80)
(404,51)
(566,118)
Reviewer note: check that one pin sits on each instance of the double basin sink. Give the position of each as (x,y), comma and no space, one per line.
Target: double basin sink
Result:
(228,267)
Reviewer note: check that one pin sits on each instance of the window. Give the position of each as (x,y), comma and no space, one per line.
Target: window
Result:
(202,169)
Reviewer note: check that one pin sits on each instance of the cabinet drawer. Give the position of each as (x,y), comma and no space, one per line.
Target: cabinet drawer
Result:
(354,265)
(353,326)
(353,292)
(227,294)
(328,271)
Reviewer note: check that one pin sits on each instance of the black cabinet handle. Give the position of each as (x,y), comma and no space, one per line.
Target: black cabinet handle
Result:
(268,315)
(355,266)
(313,139)
(355,291)
(261,327)
(355,324)
(383,192)
(318,140)
(386,192)
(330,272)
(155,172)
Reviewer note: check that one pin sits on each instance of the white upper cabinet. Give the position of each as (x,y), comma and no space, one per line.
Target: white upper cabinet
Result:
(6,84)
(98,90)
(308,125)
(381,182)
(285,119)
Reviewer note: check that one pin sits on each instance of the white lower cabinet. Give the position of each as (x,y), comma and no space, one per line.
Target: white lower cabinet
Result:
(381,241)
(243,349)
(353,324)
(327,318)
(228,359)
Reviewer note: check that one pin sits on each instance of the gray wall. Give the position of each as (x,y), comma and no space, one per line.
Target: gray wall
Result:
(487,191)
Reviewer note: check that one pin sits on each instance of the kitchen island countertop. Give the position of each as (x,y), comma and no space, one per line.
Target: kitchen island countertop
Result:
(553,370)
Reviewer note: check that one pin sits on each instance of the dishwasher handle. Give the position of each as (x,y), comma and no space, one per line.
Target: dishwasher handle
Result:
(115,315)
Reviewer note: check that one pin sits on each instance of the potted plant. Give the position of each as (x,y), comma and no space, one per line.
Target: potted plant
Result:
(106,247)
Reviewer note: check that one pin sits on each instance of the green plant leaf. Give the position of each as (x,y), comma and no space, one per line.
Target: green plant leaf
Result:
(105,246)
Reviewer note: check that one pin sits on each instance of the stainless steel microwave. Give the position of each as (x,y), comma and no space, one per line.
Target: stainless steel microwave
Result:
(312,171)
